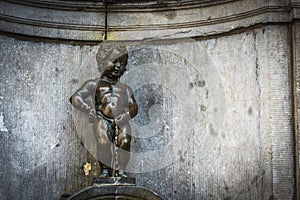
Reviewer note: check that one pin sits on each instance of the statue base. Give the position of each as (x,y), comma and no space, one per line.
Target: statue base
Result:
(114,181)
(114,188)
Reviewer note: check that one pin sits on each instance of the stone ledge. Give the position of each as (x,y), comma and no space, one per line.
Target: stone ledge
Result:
(86,20)
(120,5)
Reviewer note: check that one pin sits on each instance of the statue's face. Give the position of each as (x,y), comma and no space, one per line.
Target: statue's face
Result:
(115,64)
(116,68)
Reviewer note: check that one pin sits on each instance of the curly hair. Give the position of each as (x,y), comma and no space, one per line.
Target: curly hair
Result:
(105,51)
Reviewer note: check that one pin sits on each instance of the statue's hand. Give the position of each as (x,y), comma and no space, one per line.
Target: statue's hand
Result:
(122,118)
(92,115)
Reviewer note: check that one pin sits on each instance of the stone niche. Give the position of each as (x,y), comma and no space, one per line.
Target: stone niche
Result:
(217,85)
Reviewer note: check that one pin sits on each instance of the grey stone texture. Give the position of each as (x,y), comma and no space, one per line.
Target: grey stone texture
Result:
(218,111)
(58,20)
(40,149)
(296,68)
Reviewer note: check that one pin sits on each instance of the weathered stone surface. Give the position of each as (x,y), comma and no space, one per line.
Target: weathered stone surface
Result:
(202,20)
(215,117)
(69,21)
(40,148)
(296,62)
(256,140)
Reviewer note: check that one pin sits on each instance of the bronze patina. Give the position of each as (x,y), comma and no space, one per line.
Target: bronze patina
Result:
(112,108)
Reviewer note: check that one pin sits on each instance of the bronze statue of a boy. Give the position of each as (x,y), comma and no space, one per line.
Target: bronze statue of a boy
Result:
(113,106)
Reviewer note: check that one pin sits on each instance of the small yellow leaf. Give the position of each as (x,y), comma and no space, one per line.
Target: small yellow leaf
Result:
(87,167)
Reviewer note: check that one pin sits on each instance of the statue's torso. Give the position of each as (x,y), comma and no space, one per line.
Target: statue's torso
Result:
(111,99)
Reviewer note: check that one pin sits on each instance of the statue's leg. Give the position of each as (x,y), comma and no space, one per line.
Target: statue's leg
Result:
(105,170)
(104,154)
(123,143)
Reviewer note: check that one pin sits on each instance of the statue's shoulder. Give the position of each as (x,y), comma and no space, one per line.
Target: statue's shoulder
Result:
(92,82)
(123,84)
(127,87)
(101,81)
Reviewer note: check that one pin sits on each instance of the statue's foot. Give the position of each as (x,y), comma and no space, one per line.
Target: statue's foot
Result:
(104,173)
(121,173)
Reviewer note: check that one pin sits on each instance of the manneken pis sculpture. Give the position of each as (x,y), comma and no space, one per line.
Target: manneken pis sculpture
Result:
(114,105)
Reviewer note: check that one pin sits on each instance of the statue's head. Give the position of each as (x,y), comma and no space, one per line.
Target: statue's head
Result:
(112,60)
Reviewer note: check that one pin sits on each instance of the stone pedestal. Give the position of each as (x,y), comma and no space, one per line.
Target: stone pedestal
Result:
(114,188)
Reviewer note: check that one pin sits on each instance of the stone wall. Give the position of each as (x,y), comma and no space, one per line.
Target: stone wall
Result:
(218,100)
(296,65)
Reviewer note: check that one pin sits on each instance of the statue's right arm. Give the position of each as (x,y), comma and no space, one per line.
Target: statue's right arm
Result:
(78,99)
